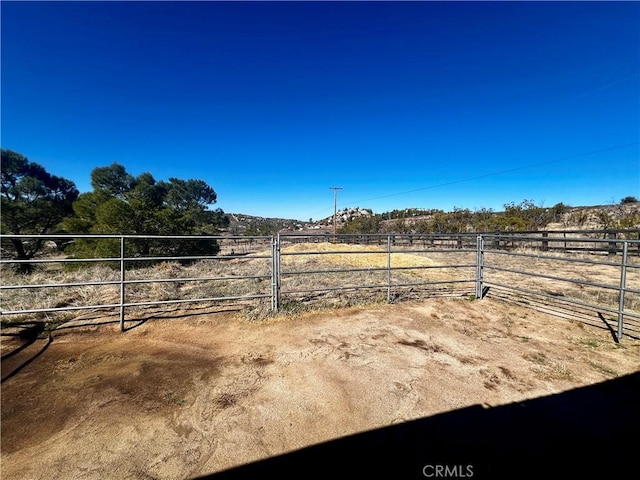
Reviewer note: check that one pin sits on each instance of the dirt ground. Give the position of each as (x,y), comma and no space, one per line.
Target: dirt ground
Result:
(183,395)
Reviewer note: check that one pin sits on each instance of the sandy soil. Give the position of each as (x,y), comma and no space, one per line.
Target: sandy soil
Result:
(189,395)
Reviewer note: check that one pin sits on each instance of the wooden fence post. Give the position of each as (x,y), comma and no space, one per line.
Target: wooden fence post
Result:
(612,245)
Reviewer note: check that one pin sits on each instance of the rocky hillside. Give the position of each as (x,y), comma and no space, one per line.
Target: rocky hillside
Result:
(595,217)
(240,224)
(625,215)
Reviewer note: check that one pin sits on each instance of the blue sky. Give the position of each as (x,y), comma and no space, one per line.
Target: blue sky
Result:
(402,104)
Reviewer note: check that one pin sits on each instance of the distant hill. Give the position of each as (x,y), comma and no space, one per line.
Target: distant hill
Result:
(242,224)
(595,217)
(599,217)
(623,215)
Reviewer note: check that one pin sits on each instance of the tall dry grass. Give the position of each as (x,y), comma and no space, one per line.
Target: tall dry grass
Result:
(341,274)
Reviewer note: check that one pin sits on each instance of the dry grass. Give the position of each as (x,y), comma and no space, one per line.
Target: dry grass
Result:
(88,295)
(302,292)
(360,266)
(365,256)
(607,275)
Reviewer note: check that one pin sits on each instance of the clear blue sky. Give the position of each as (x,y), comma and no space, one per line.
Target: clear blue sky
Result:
(402,104)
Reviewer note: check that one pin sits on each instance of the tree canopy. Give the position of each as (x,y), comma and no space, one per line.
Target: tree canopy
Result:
(123,204)
(33,202)
(515,217)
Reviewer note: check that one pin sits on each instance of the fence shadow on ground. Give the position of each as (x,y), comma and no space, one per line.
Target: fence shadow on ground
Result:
(184,312)
(566,310)
(32,343)
(588,432)
(99,319)
(19,358)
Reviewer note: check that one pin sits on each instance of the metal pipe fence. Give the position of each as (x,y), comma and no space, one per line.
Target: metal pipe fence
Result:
(378,253)
(251,248)
(599,274)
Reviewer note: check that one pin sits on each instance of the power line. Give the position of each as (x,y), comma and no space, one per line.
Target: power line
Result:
(605,87)
(491,174)
(501,172)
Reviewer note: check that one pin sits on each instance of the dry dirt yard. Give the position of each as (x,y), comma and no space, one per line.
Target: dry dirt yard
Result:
(444,387)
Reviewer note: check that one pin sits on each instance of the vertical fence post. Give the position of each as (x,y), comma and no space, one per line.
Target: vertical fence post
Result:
(623,285)
(496,241)
(612,245)
(122,278)
(479,266)
(275,273)
(388,268)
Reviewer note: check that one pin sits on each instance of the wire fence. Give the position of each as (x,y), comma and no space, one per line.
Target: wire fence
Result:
(595,277)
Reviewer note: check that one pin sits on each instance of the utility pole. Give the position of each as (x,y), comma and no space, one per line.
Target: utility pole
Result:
(335,209)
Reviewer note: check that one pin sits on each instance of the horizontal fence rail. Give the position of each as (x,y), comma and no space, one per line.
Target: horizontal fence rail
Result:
(382,255)
(238,248)
(598,273)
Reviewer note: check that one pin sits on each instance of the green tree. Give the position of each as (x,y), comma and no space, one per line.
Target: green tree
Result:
(557,211)
(123,204)
(112,180)
(484,220)
(439,222)
(605,219)
(33,202)
(460,220)
(264,226)
(362,225)
(186,195)
(524,216)
(629,200)
(400,225)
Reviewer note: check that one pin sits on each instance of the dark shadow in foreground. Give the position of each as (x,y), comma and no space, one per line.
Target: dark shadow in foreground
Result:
(23,363)
(589,432)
